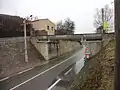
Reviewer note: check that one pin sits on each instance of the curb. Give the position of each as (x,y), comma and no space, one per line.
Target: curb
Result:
(25,70)
(18,73)
(3,79)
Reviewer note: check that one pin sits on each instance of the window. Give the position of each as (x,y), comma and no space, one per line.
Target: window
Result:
(47,27)
(51,28)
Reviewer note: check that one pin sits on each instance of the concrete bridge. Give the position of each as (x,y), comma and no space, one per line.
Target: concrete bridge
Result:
(79,37)
(55,45)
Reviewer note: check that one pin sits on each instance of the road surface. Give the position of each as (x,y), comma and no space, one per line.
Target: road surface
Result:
(67,76)
(40,78)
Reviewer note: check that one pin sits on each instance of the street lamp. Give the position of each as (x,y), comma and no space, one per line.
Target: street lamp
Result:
(25,41)
(31,24)
(25,38)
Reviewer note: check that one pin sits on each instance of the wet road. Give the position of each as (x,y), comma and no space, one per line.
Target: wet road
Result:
(40,78)
(68,75)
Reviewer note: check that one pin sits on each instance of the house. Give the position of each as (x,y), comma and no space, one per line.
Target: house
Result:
(43,27)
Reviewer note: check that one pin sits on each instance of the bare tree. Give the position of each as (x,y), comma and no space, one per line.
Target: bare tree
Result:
(66,27)
(69,26)
(60,25)
(103,15)
(60,28)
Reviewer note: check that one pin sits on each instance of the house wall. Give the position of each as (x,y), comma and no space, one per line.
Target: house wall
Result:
(42,25)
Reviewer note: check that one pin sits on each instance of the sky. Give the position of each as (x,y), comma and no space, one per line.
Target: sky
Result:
(80,11)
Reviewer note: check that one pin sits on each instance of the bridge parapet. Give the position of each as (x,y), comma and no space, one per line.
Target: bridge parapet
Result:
(71,37)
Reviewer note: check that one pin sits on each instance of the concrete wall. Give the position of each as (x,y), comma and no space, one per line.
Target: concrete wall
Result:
(94,46)
(49,49)
(67,46)
(42,47)
(64,46)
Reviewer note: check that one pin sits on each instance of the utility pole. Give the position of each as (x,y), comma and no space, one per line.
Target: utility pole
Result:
(25,41)
(117,32)
(102,10)
(102,32)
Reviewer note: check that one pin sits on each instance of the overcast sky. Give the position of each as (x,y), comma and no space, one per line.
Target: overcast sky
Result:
(80,11)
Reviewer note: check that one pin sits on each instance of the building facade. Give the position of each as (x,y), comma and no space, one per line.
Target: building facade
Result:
(44,27)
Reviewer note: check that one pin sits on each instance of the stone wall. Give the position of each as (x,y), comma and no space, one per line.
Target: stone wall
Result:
(12,55)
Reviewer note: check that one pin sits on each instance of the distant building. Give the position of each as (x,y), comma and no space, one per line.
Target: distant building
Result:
(43,27)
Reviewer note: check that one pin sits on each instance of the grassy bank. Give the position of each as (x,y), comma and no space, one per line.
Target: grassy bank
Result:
(98,72)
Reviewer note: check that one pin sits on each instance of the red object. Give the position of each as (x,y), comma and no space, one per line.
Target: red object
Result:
(87,50)
(87,56)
